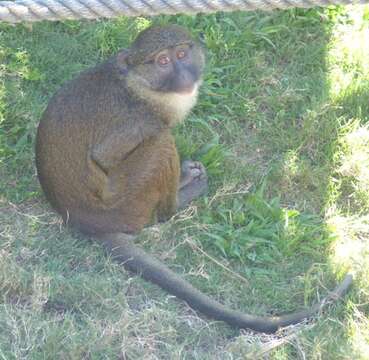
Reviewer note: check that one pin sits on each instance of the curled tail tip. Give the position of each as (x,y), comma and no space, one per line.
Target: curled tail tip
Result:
(343,287)
(272,325)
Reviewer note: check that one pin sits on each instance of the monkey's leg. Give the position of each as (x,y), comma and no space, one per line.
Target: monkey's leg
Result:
(193,183)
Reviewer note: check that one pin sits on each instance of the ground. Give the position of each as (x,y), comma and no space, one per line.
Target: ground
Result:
(282,128)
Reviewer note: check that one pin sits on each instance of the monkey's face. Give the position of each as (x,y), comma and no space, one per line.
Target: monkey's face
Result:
(177,69)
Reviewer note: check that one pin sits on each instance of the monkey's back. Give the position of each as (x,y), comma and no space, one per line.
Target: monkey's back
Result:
(82,114)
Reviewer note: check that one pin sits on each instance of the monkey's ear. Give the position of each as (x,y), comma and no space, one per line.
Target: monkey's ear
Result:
(122,60)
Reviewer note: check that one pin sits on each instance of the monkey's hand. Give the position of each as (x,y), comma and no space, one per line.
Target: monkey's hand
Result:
(99,184)
(193,183)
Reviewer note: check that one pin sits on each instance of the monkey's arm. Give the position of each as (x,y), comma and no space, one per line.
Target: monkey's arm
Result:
(115,147)
(108,154)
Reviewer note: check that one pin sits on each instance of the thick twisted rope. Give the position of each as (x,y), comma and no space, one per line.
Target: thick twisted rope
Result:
(37,10)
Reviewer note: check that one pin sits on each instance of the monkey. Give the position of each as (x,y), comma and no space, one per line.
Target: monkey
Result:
(107,162)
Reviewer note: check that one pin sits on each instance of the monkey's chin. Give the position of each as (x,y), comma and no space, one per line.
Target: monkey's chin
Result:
(189,91)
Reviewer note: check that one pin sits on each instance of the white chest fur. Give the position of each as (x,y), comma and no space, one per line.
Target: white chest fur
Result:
(179,105)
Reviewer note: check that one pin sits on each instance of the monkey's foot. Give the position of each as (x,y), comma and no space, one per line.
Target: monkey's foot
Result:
(193,183)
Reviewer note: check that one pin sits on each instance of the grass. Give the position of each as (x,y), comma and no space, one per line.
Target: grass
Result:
(282,127)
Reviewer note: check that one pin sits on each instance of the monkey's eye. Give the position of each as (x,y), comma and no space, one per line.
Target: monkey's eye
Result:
(163,60)
(181,54)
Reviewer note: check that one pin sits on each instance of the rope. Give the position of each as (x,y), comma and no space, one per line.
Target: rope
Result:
(37,10)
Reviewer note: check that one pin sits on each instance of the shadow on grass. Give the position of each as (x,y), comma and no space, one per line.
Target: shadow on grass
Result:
(354,104)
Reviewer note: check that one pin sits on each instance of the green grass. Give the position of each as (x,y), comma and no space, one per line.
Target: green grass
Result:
(282,127)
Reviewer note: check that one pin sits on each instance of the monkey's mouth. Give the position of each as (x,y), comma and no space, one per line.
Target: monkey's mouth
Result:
(189,90)
(185,84)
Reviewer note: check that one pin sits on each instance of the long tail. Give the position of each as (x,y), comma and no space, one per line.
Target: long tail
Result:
(137,260)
